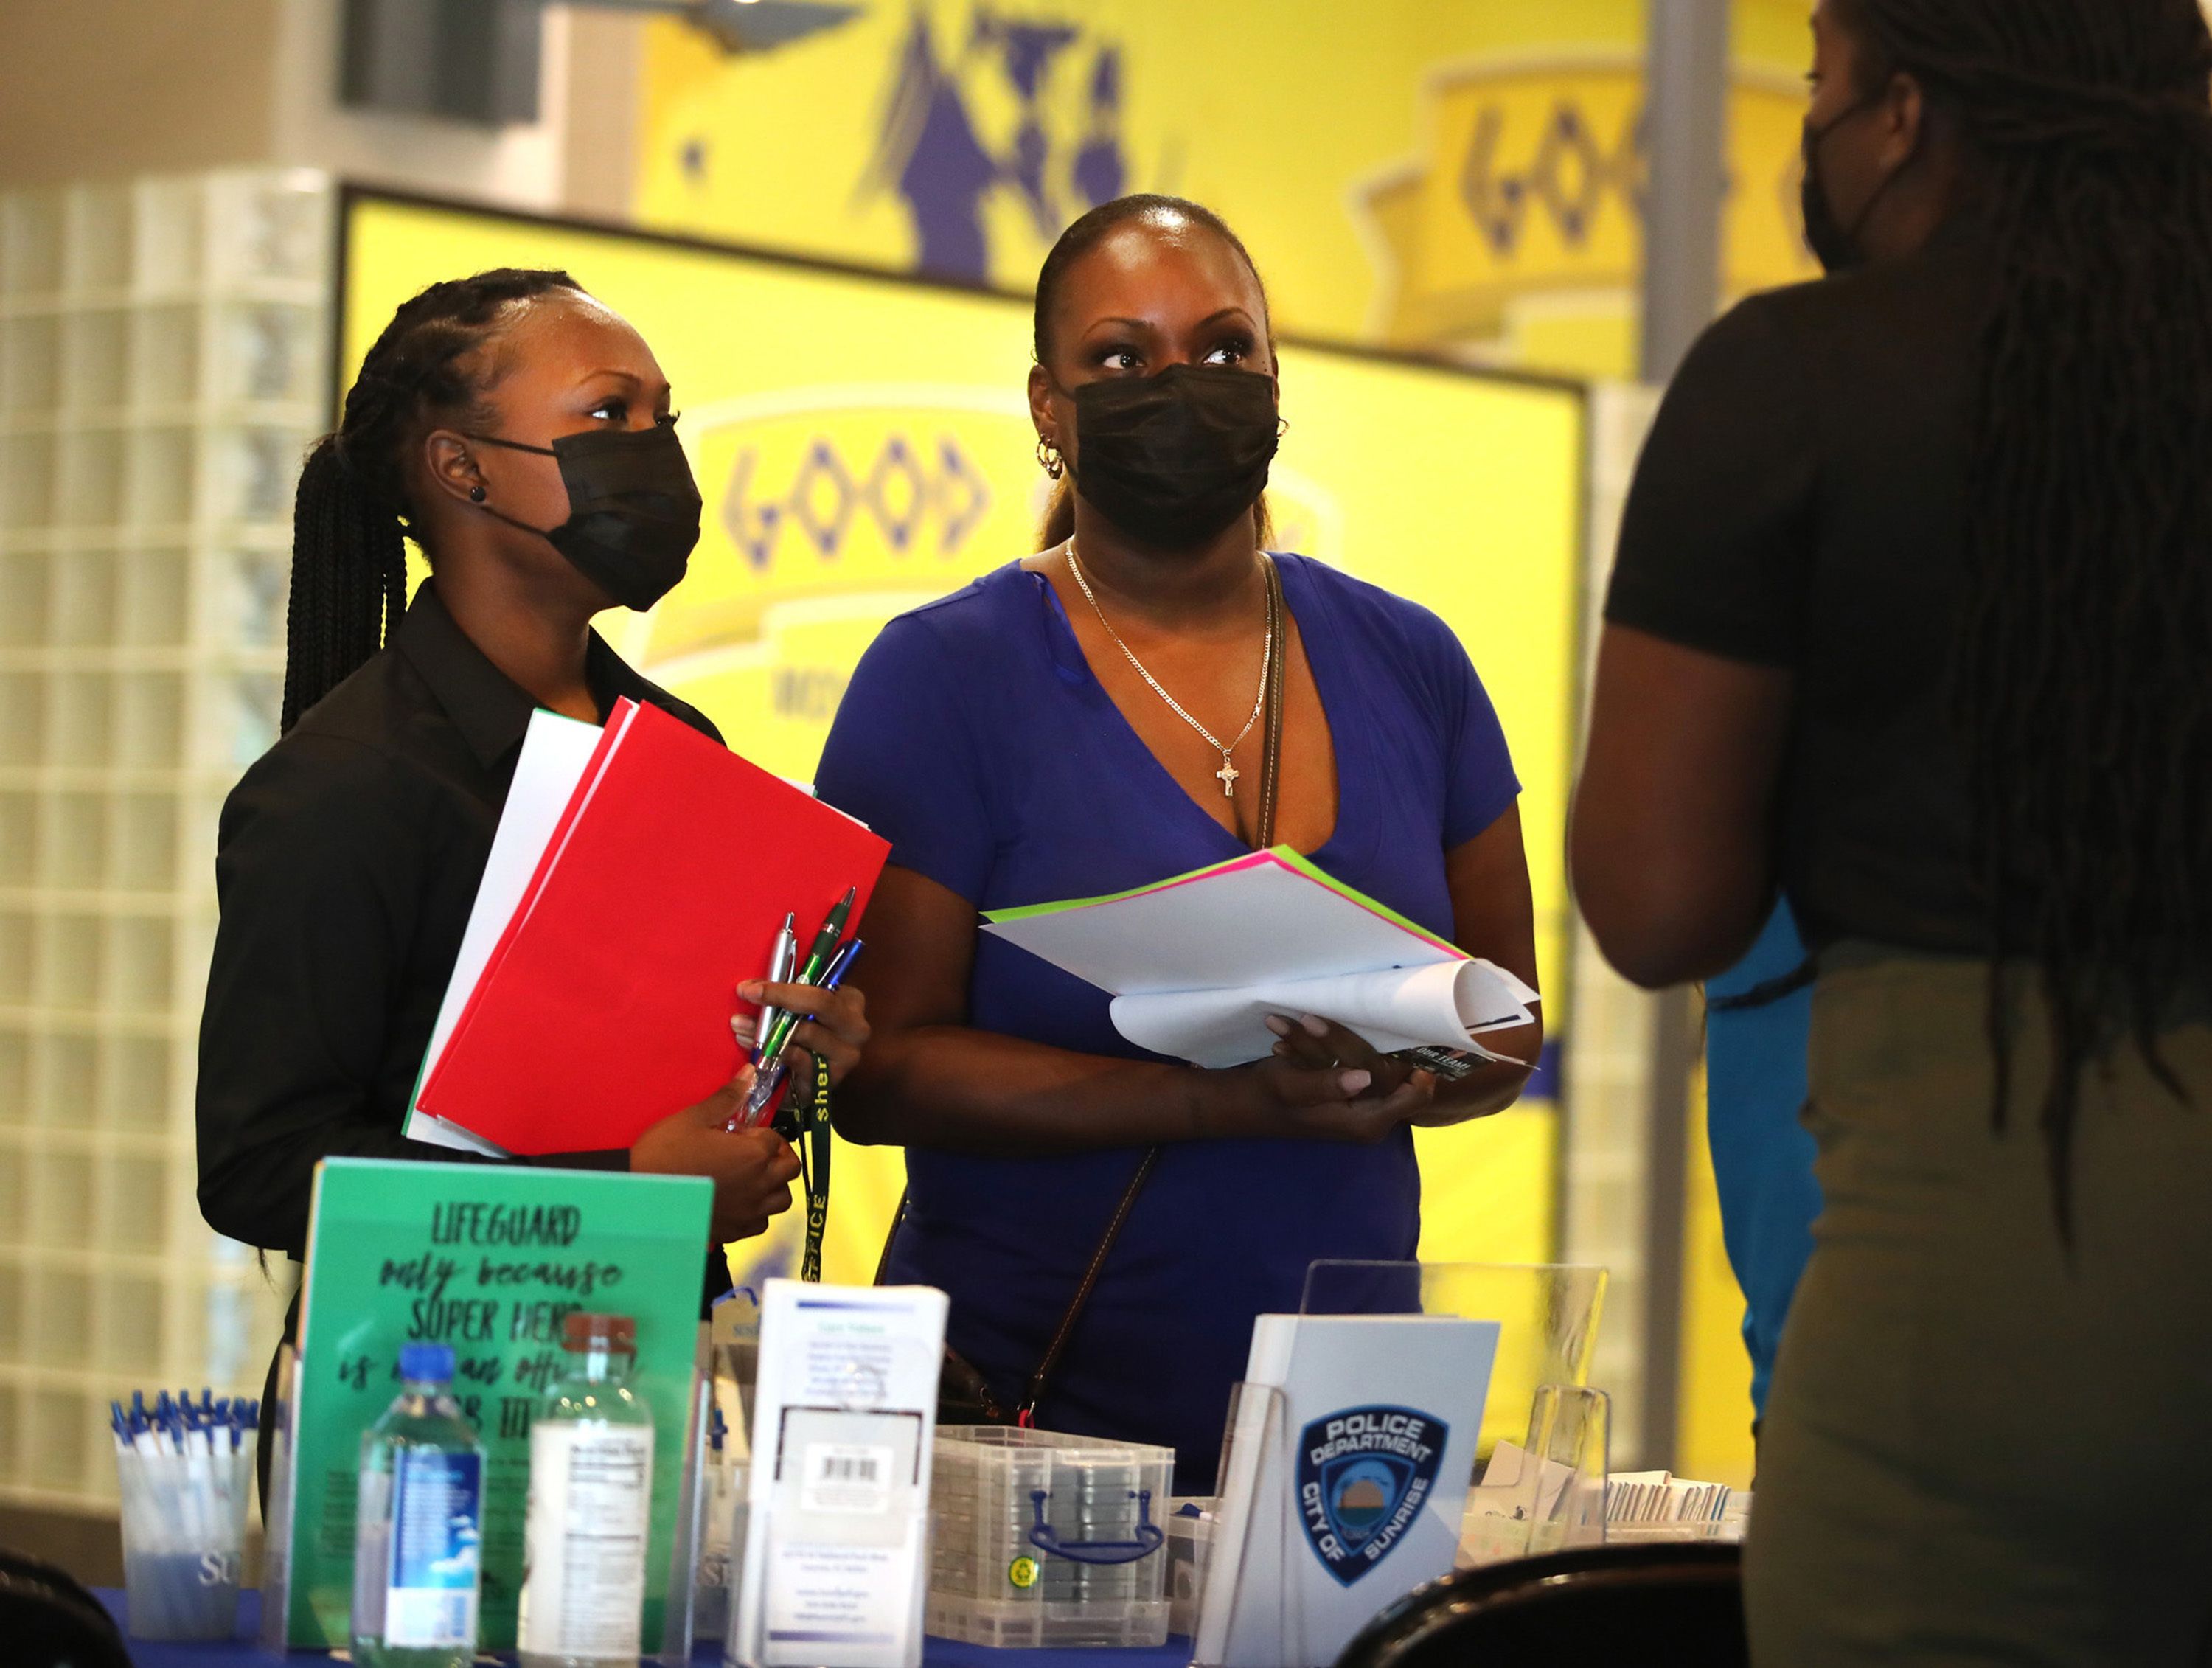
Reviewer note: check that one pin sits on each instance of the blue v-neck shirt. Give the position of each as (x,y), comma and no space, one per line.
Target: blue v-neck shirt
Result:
(974,737)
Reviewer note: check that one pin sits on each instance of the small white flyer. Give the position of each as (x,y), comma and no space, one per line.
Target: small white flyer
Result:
(841,1439)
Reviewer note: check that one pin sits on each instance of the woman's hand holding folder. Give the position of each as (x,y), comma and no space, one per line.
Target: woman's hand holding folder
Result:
(752,1170)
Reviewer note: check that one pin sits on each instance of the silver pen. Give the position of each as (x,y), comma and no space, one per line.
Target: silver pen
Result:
(780,963)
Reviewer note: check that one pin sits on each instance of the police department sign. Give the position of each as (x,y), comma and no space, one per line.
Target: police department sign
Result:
(1364,1475)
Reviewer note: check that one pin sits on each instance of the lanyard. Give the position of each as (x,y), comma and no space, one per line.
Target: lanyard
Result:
(806,1127)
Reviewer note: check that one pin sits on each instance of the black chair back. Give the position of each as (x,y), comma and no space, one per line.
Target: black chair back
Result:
(48,1621)
(1678,1602)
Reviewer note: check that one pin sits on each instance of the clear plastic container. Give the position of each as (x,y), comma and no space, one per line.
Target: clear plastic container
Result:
(1042,1539)
(1190,1546)
(724,1520)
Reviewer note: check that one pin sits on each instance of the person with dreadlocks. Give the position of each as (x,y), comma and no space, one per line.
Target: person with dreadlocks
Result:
(1912,617)
(519,433)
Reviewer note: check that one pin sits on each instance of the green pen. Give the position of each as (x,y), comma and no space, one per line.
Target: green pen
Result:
(818,963)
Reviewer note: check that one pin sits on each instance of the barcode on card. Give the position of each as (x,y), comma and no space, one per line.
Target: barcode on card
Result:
(845,1477)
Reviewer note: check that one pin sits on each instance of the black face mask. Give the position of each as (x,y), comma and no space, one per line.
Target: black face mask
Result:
(1834,246)
(632,509)
(1172,460)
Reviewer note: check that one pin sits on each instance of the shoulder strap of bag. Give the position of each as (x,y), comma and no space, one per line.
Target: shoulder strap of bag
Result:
(1270,769)
(1271,742)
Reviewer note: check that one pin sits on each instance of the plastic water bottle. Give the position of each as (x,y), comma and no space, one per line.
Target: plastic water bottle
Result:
(417,1573)
(591,1497)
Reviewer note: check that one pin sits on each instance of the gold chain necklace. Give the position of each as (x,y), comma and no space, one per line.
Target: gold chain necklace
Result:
(1227,773)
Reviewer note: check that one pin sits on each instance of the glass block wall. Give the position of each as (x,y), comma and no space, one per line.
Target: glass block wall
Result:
(164,351)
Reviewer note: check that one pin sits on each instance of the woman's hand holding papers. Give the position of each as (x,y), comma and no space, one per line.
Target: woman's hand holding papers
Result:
(752,1170)
(1322,1091)
(1403,1093)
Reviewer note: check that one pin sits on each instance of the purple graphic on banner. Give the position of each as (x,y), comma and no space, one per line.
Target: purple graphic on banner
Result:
(934,152)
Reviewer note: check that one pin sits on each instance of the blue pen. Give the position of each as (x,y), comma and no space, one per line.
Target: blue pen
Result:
(765,1087)
(836,975)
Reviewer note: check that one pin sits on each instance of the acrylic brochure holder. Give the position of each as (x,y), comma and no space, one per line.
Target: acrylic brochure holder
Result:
(1546,1493)
(1538,1406)
(677,1627)
(1245,1613)
(837,1528)
(276,1583)
(1547,1316)
(1260,1603)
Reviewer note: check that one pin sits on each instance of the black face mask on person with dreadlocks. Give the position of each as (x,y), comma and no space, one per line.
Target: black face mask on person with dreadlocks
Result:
(1834,243)
(632,509)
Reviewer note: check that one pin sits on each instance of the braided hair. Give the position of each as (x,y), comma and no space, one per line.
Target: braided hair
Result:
(352,514)
(2081,665)
(1083,235)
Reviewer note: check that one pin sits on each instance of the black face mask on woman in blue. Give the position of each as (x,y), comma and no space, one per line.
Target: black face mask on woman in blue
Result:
(1173,459)
(632,509)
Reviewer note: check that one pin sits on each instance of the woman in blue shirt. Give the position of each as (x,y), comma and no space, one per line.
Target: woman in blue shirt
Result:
(1089,720)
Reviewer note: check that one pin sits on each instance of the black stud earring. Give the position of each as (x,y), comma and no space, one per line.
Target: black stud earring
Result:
(476,495)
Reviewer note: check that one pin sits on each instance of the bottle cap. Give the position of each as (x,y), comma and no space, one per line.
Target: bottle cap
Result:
(427,1363)
(581,1331)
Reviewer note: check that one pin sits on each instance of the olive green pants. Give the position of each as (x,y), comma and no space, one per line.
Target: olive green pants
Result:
(1980,1448)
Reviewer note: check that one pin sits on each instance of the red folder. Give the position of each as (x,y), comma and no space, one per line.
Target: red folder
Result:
(606,1005)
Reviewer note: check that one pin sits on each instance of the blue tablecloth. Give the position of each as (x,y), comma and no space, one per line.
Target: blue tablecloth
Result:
(936,1652)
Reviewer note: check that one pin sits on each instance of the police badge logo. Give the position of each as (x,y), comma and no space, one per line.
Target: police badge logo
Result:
(1364,1475)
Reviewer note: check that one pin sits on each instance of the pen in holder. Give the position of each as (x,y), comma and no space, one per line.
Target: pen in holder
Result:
(186,1475)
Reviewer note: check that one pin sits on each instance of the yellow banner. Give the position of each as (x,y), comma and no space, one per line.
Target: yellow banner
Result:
(1421,171)
(1530,186)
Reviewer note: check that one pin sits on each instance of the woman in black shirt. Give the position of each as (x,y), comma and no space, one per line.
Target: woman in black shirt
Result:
(519,433)
(1913,619)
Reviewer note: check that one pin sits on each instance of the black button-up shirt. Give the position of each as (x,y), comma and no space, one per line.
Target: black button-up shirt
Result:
(346,867)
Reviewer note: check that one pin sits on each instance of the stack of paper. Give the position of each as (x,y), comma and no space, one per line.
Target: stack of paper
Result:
(1196,964)
(639,873)
(1661,1500)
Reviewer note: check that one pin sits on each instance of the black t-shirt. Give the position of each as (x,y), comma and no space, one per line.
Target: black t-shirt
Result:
(1800,503)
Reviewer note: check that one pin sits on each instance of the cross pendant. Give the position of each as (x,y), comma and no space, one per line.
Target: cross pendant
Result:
(1227,773)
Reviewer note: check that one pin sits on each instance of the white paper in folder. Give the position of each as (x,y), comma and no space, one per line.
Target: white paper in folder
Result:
(1197,963)
(555,752)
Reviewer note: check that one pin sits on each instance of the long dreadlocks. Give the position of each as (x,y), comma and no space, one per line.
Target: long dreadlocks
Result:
(2083,662)
(349,519)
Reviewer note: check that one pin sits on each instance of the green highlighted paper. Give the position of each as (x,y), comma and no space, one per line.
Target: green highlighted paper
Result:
(1197,962)
(489,1258)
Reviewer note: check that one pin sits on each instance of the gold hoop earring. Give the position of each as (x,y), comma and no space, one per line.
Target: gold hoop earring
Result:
(1049,459)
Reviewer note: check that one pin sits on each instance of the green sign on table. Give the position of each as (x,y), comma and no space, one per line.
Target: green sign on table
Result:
(489,1258)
